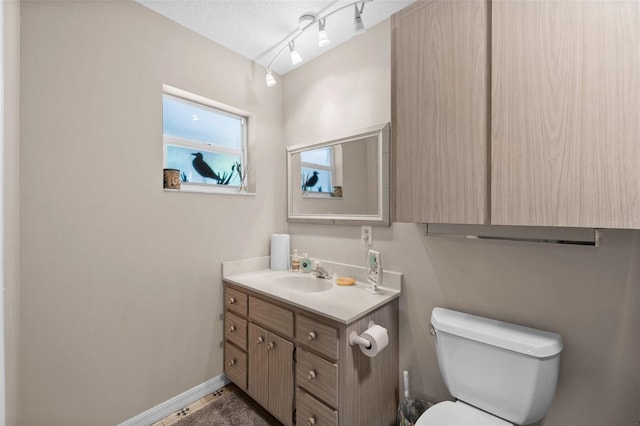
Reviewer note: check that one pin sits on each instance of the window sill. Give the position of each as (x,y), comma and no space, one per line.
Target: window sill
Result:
(197,189)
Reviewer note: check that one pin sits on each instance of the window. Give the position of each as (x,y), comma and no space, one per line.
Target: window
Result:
(317,170)
(204,140)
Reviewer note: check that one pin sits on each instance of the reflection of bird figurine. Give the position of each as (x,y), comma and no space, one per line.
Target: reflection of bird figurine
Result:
(310,183)
(203,168)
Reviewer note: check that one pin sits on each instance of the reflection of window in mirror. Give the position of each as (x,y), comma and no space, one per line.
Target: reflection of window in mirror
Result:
(321,171)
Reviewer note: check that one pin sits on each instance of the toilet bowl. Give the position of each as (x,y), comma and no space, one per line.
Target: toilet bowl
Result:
(501,374)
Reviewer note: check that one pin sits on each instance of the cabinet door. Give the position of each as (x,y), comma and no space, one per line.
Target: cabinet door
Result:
(566,113)
(440,100)
(281,388)
(258,370)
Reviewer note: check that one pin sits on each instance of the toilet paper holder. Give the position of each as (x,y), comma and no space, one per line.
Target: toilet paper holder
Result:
(356,339)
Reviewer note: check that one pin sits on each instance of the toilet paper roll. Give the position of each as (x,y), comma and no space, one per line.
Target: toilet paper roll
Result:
(379,339)
(280,252)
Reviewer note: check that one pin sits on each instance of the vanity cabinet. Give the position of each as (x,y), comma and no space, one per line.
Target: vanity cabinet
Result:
(440,111)
(517,113)
(270,372)
(300,367)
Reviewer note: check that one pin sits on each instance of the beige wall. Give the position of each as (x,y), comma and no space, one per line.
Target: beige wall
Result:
(11,208)
(121,285)
(591,296)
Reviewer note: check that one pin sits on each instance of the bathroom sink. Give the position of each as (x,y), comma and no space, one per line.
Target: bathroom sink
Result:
(303,284)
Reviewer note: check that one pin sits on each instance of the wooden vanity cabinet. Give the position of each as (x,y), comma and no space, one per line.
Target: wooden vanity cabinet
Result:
(270,372)
(300,365)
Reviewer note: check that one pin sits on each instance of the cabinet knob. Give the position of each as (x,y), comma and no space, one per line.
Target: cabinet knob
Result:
(312,336)
(232,300)
(311,375)
(259,340)
(311,421)
(232,328)
(270,345)
(232,363)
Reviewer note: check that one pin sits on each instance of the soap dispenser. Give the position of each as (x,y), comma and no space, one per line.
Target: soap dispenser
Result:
(305,263)
(295,261)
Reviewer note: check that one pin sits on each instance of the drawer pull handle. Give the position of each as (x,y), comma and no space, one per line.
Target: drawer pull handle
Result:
(232,363)
(311,375)
(312,336)
(311,421)
(270,345)
(232,300)
(232,328)
(259,340)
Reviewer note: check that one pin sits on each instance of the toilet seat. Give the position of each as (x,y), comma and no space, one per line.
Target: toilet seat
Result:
(458,413)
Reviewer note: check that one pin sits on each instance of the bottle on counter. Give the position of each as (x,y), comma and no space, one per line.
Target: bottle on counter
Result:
(295,261)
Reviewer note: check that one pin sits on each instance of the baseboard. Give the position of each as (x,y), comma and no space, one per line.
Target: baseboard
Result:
(169,407)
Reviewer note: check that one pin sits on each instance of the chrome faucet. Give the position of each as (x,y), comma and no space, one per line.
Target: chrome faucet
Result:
(319,271)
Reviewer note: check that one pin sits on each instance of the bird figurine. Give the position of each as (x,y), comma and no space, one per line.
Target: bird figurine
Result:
(203,168)
(310,183)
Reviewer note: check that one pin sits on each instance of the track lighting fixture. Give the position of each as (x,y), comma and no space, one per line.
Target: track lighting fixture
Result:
(323,38)
(295,56)
(305,22)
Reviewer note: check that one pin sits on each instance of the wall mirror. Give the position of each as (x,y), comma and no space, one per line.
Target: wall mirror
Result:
(343,181)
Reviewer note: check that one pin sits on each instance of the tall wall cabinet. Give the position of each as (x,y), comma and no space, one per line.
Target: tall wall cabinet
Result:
(517,112)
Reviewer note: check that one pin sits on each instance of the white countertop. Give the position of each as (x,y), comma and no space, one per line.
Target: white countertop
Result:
(342,304)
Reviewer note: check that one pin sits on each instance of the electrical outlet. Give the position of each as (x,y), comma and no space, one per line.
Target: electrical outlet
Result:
(366,236)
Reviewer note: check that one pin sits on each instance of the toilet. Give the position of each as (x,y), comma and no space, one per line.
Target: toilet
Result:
(501,374)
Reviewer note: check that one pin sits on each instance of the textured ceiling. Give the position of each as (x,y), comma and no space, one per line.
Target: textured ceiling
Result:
(257,29)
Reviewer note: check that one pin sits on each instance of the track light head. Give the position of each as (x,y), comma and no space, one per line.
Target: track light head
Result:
(323,38)
(295,56)
(270,79)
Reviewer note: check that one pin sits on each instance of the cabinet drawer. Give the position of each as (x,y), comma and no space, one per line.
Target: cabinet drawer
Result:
(235,330)
(271,317)
(235,365)
(317,336)
(235,301)
(317,376)
(310,411)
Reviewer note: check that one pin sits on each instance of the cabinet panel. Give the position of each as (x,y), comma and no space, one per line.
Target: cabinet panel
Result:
(281,378)
(235,330)
(311,411)
(235,365)
(236,301)
(317,376)
(566,113)
(317,336)
(440,101)
(258,381)
(271,316)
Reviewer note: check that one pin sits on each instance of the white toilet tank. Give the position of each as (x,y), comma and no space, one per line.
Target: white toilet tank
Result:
(505,369)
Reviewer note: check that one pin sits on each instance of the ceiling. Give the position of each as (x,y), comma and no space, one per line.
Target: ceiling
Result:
(258,29)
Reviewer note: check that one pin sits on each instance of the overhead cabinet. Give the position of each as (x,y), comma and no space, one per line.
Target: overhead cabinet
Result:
(440,78)
(552,138)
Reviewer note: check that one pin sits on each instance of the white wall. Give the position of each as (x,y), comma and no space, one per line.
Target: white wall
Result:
(10,204)
(591,296)
(121,281)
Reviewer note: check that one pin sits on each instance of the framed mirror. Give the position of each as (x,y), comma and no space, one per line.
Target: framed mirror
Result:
(341,181)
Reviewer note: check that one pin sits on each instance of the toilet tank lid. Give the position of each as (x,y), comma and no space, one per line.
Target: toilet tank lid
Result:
(517,338)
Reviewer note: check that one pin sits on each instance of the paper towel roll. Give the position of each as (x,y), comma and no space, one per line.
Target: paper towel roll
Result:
(379,339)
(280,252)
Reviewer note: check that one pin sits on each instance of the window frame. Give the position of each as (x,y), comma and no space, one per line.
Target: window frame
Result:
(218,107)
(331,169)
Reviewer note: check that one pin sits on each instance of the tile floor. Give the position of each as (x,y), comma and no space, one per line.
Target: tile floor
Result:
(191,408)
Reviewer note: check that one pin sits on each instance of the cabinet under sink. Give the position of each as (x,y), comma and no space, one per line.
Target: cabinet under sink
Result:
(299,365)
